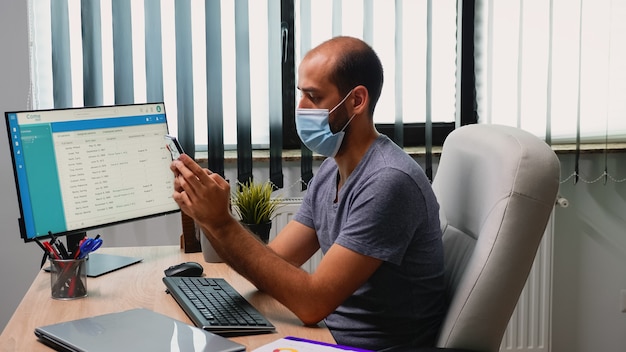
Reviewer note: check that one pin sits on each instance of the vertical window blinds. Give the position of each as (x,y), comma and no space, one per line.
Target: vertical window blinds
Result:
(219,65)
(556,68)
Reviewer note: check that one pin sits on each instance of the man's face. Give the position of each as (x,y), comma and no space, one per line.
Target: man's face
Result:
(316,90)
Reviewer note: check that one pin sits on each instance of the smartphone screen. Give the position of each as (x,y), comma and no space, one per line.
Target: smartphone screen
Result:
(173,146)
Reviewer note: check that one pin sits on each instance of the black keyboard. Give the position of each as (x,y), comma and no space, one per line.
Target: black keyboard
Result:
(214,305)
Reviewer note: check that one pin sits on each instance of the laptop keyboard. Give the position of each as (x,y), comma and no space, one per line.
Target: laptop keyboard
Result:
(214,305)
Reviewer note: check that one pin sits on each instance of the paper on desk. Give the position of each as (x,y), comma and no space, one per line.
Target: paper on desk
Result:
(296,344)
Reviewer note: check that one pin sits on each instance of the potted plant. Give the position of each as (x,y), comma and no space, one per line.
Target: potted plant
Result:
(254,205)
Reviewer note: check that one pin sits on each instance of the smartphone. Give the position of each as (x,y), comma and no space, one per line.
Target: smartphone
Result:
(173,146)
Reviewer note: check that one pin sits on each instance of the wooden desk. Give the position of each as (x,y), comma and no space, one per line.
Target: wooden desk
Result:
(137,286)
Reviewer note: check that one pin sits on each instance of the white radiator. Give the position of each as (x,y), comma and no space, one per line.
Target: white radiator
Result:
(529,327)
(283,216)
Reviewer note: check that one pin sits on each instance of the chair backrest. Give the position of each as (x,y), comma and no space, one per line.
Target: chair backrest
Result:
(497,186)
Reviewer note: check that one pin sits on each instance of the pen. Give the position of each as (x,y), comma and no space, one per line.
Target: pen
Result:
(51,251)
(53,238)
(40,245)
(62,250)
(77,251)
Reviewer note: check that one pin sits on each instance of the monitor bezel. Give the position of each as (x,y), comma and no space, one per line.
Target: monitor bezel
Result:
(74,233)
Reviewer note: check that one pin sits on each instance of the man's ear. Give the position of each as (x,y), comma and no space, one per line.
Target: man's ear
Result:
(360,100)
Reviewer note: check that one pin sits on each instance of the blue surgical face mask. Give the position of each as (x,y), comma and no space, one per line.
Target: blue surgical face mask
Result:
(314,130)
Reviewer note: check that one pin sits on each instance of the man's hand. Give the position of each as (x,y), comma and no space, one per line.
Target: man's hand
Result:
(200,193)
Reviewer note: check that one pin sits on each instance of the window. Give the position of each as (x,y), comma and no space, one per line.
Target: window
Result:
(177,43)
(555,68)
(398,31)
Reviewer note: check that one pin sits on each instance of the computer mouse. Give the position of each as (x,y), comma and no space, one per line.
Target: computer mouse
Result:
(184,269)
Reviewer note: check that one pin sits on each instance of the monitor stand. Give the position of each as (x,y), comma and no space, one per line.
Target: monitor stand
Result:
(98,263)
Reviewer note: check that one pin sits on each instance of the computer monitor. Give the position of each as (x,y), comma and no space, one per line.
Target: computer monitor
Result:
(79,169)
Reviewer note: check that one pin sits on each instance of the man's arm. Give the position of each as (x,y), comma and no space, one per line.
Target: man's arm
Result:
(204,196)
(310,296)
(296,243)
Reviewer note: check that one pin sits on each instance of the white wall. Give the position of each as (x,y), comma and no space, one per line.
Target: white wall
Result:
(19,263)
(590,258)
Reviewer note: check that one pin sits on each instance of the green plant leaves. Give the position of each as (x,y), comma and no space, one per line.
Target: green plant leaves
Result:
(253,202)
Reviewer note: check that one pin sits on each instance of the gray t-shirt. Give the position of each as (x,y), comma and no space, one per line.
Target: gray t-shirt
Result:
(386,209)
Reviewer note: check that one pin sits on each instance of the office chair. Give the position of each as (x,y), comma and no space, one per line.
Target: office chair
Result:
(497,186)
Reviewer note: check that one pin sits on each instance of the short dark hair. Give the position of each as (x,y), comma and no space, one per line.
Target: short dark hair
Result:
(359,66)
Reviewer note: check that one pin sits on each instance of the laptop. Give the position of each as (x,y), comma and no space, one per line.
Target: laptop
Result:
(132,330)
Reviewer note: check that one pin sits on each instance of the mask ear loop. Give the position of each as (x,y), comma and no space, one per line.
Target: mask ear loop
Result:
(341,102)
(338,105)
(347,123)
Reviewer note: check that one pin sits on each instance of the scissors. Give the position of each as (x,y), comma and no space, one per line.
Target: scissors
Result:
(87,246)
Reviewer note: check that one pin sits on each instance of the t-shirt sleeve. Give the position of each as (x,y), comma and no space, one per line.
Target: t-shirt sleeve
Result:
(304,215)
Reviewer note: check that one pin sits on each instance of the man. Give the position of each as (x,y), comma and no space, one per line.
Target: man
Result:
(370,208)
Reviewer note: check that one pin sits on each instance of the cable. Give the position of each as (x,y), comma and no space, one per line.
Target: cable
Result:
(602,176)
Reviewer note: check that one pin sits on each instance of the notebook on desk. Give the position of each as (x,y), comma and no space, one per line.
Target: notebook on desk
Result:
(132,330)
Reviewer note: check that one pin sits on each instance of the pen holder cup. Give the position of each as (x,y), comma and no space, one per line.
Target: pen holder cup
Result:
(68,278)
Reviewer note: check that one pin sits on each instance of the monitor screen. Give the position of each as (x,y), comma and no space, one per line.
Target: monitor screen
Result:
(84,168)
